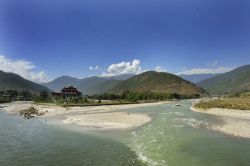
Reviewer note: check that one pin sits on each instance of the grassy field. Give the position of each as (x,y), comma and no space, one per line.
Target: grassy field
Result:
(238,101)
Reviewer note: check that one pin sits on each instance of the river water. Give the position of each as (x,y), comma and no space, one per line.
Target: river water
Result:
(175,137)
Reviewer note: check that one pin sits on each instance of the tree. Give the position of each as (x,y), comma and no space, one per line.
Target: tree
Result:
(85,100)
(26,95)
(74,100)
(12,93)
(4,99)
(44,96)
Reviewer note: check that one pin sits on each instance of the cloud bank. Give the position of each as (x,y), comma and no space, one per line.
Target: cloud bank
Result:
(133,67)
(123,68)
(217,70)
(22,68)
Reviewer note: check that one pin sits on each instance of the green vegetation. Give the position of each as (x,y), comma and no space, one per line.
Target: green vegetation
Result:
(146,87)
(135,97)
(235,81)
(240,101)
(95,103)
(85,101)
(43,97)
(13,95)
(30,113)
(4,99)
(112,99)
(158,83)
(15,88)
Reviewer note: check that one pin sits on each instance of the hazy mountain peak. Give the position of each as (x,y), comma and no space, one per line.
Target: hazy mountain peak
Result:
(197,77)
(89,85)
(234,81)
(11,81)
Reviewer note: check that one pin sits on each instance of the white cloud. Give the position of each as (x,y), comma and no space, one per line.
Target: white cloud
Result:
(124,68)
(94,68)
(217,70)
(160,69)
(22,68)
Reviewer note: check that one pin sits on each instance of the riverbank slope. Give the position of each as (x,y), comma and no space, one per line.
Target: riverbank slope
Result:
(233,122)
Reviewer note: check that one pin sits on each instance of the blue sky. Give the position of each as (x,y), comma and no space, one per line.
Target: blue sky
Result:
(43,39)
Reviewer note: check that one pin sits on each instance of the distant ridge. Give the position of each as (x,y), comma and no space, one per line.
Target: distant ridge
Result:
(158,82)
(11,81)
(194,78)
(234,81)
(88,86)
(120,77)
(61,82)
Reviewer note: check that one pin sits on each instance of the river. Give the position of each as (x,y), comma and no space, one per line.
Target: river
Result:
(175,137)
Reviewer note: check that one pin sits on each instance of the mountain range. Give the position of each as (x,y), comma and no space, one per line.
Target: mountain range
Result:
(234,81)
(195,78)
(149,81)
(10,81)
(88,86)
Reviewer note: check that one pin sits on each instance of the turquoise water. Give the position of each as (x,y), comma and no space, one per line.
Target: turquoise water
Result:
(179,137)
(32,142)
(175,137)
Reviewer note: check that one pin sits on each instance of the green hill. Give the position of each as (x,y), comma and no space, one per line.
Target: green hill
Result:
(10,81)
(159,82)
(234,81)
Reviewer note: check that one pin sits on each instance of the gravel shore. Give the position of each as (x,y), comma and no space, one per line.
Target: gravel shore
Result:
(92,117)
(233,122)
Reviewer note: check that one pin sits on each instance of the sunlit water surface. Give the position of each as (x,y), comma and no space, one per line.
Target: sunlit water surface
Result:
(175,137)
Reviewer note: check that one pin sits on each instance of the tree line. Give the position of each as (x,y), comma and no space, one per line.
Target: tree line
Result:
(11,95)
(139,96)
(14,95)
(44,96)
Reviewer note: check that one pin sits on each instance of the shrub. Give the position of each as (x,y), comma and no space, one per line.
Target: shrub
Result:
(30,113)
(227,103)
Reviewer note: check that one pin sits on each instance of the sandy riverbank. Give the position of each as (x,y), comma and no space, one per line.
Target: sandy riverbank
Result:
(97,117)
(233,122)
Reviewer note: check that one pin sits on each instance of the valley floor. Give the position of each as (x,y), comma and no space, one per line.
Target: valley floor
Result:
(91,117)
(233,122)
